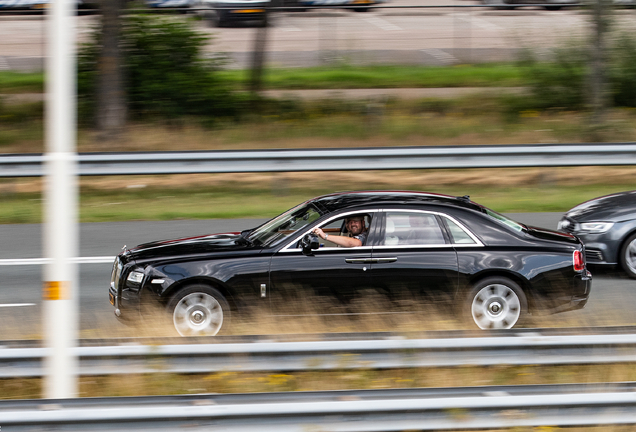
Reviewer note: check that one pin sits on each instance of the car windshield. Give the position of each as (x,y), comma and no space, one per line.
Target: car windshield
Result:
(503,219)
(284,225)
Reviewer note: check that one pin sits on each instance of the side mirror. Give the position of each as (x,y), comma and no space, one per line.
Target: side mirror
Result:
(309,243)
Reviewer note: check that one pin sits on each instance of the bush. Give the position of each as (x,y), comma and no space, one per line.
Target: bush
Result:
(622,73)
(165,72)
(559,82)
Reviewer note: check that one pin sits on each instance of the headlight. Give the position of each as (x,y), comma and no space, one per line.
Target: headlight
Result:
(596,227)
(135,277)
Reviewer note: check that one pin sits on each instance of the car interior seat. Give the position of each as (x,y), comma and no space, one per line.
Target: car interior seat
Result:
(389,238)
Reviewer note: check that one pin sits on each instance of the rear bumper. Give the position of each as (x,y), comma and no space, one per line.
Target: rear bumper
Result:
(583,287)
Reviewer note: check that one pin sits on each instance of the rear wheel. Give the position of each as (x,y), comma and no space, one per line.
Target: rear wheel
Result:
(199,310)
(496,303)
(628,256)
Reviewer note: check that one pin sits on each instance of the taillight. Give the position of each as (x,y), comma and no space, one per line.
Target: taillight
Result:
(579,264)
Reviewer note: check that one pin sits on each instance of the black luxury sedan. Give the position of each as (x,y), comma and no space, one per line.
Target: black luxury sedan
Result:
(409,249)
(607,227)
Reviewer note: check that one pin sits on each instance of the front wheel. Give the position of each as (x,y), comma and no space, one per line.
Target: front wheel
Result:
(199,310)
(628,256)
(496,303)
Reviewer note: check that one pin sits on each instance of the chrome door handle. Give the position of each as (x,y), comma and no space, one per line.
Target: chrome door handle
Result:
(385,260)
(358,260)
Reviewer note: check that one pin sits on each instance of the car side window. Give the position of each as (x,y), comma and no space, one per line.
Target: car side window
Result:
(412,228)
(458,235)
(338,227)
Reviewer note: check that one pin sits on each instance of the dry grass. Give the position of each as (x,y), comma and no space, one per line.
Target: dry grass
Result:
(428,179)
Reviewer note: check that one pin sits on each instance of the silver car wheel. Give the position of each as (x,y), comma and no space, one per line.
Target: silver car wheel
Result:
(198,314)
(496,306)
(630,256)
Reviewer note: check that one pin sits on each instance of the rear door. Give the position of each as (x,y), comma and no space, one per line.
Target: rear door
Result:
(413,259)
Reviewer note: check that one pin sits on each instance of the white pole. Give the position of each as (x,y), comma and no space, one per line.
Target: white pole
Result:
(60,293)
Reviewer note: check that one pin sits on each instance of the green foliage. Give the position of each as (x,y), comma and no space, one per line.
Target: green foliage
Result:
(558,82)
(623,70)
(166,74)
(561,81)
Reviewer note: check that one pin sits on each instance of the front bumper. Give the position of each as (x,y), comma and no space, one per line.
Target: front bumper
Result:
(126,307)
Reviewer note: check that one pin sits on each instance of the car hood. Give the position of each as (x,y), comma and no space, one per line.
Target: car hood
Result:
(189,246)
(615,207)
(546,234)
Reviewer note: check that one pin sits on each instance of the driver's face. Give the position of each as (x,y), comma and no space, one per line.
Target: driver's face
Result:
(355,226)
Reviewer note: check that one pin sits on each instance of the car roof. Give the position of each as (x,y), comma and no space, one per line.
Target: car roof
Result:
(344,200)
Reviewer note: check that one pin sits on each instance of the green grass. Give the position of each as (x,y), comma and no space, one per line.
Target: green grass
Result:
(263,202)
(18,82)
(486,75)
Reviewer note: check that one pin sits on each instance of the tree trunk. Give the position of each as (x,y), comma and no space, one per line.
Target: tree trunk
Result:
(258,59)
(111,96)
(598,86)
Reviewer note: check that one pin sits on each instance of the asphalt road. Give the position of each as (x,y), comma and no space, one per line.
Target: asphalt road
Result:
(612,302)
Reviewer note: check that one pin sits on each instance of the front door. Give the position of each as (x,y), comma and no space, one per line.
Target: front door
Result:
(332,280)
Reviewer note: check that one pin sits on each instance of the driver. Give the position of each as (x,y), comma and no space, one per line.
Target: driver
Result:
(356,229)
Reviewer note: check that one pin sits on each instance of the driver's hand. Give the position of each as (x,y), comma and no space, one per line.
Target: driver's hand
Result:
(319,233)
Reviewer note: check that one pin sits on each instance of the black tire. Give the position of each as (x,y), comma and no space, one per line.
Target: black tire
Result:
(628,256)
(361,9)
(199,310)
(496,303)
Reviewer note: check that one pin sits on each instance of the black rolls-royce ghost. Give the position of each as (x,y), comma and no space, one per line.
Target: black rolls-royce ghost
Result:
(415,247)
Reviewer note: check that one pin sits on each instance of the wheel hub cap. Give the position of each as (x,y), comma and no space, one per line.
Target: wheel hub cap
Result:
(197,317)
(495,308)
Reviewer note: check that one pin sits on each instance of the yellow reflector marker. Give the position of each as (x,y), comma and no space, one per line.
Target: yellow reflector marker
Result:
(248,10)
(55,290)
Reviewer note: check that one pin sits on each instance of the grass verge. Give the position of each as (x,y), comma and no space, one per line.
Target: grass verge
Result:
(346,76)
(226,196)
(20,82)
(384,76)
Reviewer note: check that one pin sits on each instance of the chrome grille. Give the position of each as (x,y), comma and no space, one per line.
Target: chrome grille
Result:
(115,274)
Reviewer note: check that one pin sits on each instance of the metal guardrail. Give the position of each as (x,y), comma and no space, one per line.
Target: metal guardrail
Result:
(335,159)
(464,408)
(524,349)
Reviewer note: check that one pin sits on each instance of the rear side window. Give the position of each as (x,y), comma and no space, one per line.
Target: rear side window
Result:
(458,235)
(410,228)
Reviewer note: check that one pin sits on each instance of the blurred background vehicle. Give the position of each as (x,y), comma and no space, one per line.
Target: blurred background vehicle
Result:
(222,13)
(360,5)
(552,5)
(170,3)
(607,227)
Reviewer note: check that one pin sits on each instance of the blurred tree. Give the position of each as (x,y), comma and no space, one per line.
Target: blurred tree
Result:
(110,93)
(601,20)
(165,72)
